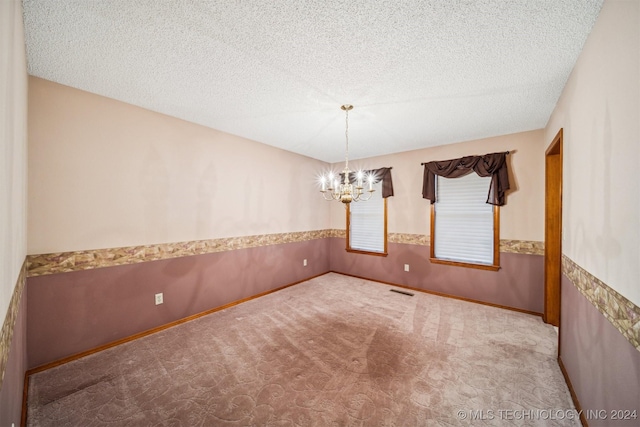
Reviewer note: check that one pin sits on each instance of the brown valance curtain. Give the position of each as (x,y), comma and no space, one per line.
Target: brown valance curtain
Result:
(382,174)
(494,165)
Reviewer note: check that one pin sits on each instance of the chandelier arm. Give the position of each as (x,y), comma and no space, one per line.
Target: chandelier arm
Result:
(360,199)
(324,196)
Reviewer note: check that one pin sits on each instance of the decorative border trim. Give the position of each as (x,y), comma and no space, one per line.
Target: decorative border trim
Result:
(6,335)
(528,247)
(622,313)
(409,239)
(64,262)
(334,232)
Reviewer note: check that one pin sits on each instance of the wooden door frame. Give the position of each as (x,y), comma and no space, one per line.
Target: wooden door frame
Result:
(553,231)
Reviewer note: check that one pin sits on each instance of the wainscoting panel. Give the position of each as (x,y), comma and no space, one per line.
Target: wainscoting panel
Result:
(518,284)
(76,311)
(603,366)
(14,355)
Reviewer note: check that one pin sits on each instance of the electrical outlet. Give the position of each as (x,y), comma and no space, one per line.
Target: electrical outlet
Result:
(304,263)
(159,299)
(406,267)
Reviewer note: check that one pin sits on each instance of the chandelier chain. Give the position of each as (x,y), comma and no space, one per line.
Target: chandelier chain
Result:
(346,134)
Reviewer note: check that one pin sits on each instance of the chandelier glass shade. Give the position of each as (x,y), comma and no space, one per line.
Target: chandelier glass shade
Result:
(351,189)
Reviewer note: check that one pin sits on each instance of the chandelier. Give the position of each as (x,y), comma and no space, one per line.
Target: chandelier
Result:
(346,192)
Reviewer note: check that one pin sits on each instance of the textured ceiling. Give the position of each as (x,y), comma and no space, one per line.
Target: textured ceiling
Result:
(419,72)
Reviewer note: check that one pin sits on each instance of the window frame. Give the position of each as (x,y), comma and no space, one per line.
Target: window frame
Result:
(348,239)
(496,244)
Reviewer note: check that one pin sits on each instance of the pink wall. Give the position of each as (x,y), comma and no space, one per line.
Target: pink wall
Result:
(599,111)
(70,313)
(522,218)
(518,284)
(604,368)
(106,174)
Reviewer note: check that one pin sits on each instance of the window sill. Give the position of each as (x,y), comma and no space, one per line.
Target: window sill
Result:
(357,251)
(465,264)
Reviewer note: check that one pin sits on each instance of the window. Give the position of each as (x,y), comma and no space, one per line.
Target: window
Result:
(464,228)
(367,224)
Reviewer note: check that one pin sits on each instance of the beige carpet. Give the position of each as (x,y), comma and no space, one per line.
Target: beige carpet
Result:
(333,351)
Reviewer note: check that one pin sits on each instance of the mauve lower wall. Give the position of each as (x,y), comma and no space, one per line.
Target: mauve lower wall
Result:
(518,284)
(12,384)
(603,366)
(73,312)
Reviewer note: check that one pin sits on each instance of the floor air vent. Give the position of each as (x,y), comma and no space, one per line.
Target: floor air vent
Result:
(402,292)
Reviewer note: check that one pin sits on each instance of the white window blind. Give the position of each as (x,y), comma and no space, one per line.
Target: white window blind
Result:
(366,224)
(464,221)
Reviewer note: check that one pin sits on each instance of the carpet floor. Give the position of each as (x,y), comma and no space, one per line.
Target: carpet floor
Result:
(332,351)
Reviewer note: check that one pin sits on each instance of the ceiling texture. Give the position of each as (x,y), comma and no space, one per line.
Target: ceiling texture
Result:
(419,73)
